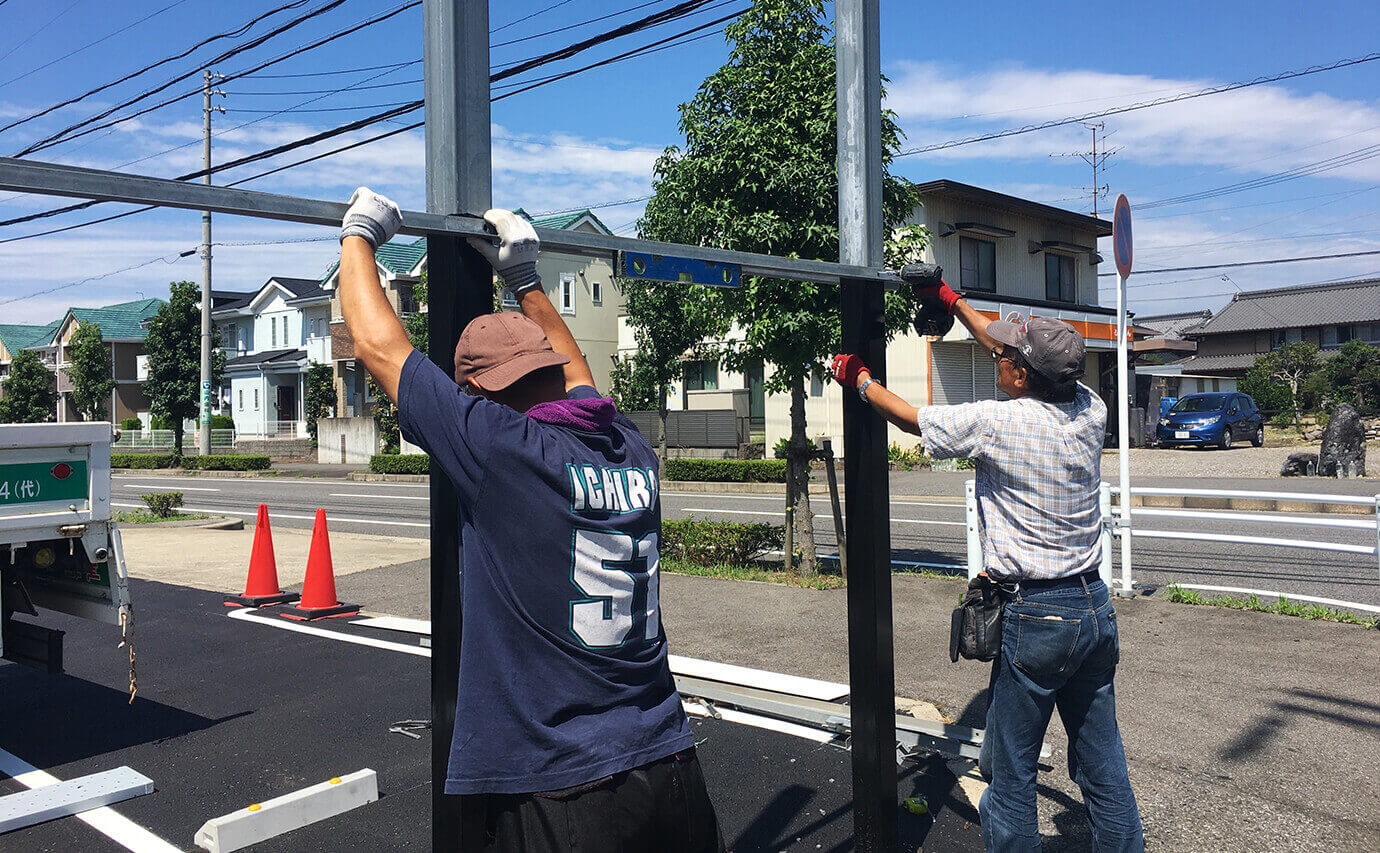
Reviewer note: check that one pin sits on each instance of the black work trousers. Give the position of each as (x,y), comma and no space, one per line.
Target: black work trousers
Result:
(660,807)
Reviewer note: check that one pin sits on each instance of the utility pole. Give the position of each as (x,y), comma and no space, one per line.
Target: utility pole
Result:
(1096,159)
(204,434)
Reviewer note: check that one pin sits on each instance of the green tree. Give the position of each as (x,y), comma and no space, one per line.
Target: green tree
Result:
(1269,393)
(173,346)
(630,387)
(758,173)
(30,391)
(320,402)
(1353,376)
(90,371)
(1293,365)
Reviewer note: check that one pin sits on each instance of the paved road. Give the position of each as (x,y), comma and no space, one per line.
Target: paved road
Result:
(929,532)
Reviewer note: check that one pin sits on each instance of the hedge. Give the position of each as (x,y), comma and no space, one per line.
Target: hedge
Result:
(393,463)
(708,543)
(727,470)
(131,425)
(141,460)
(228,462)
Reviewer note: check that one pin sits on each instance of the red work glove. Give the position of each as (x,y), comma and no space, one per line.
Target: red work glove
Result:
(846,369)
(942,290)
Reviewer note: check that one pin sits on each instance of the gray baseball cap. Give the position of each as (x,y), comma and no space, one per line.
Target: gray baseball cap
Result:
(1053,348)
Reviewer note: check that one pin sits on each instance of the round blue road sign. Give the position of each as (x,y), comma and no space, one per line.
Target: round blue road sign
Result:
(1121,235)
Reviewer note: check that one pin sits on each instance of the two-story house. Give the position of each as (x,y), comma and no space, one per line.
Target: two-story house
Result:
(123,329)
(14,337)
(1005,255)
(271,337)
(1258,321)
(582,290)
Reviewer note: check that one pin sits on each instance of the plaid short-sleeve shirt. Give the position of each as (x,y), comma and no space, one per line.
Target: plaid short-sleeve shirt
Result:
(1039,468)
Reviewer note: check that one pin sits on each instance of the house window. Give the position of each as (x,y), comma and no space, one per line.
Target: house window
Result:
(256,399)
(509,300)
(1278,338)
(232,340)
(1059,278)
(701,376)
(816,383)
(273,332)
(596,292)
(241,399)
(1293,336)
(407,302)
(286,342)
(567,293)
(977,264)
(1333,336)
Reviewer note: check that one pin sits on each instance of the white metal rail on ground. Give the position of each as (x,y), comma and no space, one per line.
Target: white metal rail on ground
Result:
(1116,522)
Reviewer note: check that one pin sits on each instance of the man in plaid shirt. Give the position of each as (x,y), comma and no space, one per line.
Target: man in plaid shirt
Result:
(1038,458)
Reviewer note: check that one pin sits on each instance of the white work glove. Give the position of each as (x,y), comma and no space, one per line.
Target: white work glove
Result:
(515,256)
(371,216)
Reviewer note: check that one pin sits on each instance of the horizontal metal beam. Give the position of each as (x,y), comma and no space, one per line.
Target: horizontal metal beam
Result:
(75,182)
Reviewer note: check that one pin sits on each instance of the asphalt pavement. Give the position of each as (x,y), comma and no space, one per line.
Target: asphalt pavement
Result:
(927,532)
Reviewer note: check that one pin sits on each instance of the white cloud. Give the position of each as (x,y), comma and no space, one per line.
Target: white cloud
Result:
(1262,129)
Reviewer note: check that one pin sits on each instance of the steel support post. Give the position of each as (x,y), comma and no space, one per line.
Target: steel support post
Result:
(871,667)
(460,288)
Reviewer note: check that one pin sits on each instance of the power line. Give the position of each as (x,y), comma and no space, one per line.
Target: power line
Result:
(163,258)
(236,33)
(297,111)
(68,133)
(91,44)
(1270,262)
(331,73)
(571,26)
(1184,96)
(239,94)
(40,29)
(651,20)
(1318,166)
(529,17)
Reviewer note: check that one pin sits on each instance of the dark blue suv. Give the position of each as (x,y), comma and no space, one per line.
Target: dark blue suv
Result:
(1216,419)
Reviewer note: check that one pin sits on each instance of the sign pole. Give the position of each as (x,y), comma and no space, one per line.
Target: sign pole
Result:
(1121,240)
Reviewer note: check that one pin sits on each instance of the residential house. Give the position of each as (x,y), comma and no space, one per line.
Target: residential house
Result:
(123,329)
(1006,255)
(271,337)
(14,338)
(1259,321)
(582,289)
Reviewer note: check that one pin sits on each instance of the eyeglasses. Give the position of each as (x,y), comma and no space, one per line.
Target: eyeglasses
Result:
(998,355)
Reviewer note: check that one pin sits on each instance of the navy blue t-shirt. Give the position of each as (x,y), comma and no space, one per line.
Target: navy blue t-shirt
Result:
(563,672)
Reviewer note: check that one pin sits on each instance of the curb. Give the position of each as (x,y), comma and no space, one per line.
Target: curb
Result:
(371,477)
(271,473)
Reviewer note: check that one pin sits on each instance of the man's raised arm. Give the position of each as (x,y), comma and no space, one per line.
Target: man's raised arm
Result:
(379,338)
(515,261)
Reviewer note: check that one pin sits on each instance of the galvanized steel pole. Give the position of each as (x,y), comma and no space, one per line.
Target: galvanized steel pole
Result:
(460,287)
(203,443)
(871,667)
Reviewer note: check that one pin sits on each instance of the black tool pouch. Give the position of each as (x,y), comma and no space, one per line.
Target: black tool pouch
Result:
(975,632)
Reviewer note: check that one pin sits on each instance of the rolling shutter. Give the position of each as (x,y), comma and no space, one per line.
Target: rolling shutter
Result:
(963,373)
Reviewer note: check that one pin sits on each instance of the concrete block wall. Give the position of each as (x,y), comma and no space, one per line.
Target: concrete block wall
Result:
(348,441)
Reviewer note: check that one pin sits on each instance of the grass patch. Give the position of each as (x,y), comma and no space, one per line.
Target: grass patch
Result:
(763,572)
(1283,606)
(143,516)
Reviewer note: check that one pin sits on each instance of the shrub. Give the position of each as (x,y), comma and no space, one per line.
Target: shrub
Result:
(222,422)
(706,543)
(393,463)
(967,464)
(141,460)
(160,422)
(228,462)
(162,504)
(778,450)
(727,470)
(131,425)
(907,459)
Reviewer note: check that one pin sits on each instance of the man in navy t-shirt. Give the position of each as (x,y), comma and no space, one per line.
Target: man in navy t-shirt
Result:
(569,733)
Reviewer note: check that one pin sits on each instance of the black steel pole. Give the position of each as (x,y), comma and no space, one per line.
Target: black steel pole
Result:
(460,288)
(871,664)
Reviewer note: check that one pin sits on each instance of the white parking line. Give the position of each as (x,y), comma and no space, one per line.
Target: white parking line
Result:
(272,515)
(781,499)
(825,515)
(104,820)
(388,497)
(244,616)
(174,488)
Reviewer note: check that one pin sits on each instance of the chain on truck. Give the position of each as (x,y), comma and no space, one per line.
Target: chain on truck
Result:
(64,551)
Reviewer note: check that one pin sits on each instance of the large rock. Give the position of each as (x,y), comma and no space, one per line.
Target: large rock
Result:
(1343,450)
(1299,465)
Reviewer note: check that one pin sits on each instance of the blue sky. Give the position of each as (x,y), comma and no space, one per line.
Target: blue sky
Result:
(955,72)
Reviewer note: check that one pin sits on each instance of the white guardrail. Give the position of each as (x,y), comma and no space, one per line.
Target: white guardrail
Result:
(163,438)
(1116,523)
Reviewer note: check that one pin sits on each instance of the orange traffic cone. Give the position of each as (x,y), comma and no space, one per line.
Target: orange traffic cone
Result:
(261,587)
(318,590)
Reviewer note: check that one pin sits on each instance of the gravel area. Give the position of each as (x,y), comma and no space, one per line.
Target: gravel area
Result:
(1239,461)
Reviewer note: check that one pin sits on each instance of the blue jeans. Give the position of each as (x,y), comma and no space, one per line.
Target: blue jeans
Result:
(1059,649)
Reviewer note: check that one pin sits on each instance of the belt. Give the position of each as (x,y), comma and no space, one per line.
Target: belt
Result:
(1083,579)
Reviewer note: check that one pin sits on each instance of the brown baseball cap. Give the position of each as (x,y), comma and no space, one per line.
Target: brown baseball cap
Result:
(1052,347)
(496,350)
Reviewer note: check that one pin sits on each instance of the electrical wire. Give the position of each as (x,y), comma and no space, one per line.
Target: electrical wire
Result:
(1183,96)
(162,258)
(1316,167)
(555,5)
(236,33)
(91,126)
(239,94)
(1269,262)
(496,45)
(40,29)
(91,44)
(331,73)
